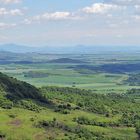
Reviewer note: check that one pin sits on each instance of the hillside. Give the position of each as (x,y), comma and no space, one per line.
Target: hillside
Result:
(13,91)
(70,113)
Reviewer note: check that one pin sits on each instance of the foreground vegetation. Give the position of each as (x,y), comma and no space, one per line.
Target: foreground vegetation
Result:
(53,113)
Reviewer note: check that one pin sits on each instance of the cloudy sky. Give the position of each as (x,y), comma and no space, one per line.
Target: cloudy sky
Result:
(70,22)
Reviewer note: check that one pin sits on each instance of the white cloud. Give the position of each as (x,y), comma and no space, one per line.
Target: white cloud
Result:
(100,8)
(13,12)
(2,37)
(136,17)
(27,21)
(5,25)
(3,11)
(119,36)
(124,2)
(137,7)
(10,1)
(55,16)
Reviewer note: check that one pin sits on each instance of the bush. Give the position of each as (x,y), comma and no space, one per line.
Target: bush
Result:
(28,104)
(5,103)
(12,115)
(77,131)
(2,135)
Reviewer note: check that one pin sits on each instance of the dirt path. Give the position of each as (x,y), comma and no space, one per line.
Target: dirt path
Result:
(16,123)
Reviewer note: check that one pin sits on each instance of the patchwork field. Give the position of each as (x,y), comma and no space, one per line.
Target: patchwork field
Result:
(100,72)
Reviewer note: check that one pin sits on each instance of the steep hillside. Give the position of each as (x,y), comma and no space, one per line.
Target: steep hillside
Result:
(15,89)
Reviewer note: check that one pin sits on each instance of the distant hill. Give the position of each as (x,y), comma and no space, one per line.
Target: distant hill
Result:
(7,57)
(79,49)
(15,48)
(110,68)
(66,60)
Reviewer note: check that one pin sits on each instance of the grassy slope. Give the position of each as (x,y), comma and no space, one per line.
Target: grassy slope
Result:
(18,123)
(22,127)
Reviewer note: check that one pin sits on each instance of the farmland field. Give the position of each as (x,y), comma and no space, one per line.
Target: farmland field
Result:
(101,72)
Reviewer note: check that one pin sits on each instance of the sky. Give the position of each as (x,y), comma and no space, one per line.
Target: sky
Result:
(70,22)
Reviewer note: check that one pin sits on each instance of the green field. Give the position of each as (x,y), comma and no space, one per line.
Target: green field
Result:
(72,75)
(76,100)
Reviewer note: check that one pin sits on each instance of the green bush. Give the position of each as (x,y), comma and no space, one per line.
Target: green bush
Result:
(5,103)
(28,104)
(2,135)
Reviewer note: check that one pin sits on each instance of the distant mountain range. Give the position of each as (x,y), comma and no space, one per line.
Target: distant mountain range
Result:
(68,49)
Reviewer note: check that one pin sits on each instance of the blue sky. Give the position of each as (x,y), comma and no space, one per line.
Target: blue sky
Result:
(70,22)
